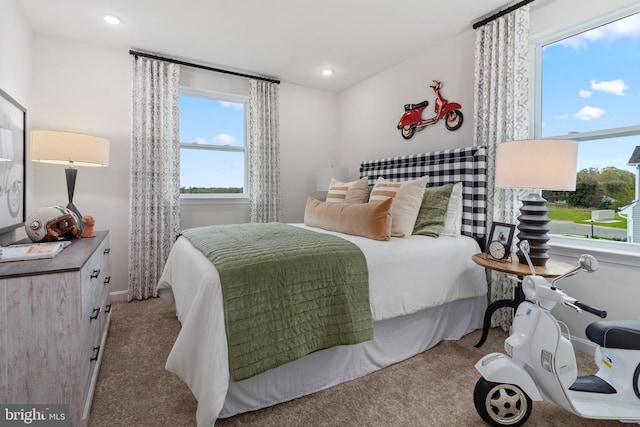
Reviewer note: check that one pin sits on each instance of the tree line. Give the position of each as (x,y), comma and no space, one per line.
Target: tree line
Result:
(209,190)
(609,188)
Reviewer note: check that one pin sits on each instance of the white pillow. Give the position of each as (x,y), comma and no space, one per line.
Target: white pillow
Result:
(407,198)
(453,220)
(348,192)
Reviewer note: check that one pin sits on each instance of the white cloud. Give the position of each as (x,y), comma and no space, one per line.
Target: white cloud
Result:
(622,28)
(588,113)
(231,105)
(200,140)
(224,139)
(585,93)
(562,116)
(616,87)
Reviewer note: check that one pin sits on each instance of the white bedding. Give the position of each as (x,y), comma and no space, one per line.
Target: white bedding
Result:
(406,275)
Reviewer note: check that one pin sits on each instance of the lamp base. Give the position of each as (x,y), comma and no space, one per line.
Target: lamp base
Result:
(533,225)
(71,174)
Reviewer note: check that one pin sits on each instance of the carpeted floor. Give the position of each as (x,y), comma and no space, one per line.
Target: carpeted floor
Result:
(434,388)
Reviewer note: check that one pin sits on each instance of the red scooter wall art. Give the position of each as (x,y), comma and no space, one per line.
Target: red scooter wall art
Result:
(412,119)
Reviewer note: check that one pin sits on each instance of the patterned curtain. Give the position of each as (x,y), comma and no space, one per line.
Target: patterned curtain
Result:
(154,206)
(502,114)
(264,152)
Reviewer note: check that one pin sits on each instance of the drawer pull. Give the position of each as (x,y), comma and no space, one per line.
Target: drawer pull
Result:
(96,352)
(96,312)
(106,251)
(95,273)
(107,308)
(107,280)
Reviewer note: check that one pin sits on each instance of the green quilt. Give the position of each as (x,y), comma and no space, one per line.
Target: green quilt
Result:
(287,292)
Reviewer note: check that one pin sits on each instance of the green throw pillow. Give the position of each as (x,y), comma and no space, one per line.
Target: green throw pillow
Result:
(433,211)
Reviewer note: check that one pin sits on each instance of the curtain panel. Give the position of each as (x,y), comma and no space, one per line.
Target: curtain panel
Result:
(264,151)
(154,205)
(501,108)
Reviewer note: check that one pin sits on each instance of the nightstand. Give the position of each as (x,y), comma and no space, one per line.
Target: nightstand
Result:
(54,318)
(552,269)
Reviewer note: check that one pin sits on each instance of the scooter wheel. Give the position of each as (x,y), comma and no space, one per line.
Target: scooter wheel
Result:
(408,131)
(501,404)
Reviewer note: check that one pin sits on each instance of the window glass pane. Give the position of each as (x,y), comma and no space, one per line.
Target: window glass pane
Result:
(210,171)
(590,83)
(211,121)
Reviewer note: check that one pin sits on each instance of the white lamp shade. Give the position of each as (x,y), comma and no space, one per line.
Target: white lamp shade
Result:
(50,146)
(546,164)
(323,179)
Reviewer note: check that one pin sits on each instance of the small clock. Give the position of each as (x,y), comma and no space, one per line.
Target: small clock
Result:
(499,241)
(498,250)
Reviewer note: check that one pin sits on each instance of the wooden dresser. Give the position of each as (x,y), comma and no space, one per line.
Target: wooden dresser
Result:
(54,318)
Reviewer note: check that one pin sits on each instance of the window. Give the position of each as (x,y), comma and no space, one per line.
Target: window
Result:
(589,90)
(212,144)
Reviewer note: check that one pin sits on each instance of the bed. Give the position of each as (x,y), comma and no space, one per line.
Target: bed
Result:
(429,291)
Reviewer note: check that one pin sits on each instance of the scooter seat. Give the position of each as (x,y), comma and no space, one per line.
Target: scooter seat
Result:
(623,334)
(408,107)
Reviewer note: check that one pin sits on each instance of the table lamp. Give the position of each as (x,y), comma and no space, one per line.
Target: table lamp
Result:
(545,164)
(323,179)
(73,149)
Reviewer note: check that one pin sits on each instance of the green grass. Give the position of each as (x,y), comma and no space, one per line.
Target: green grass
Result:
(582,216)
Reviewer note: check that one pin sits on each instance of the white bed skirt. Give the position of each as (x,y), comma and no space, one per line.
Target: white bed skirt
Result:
(395,340)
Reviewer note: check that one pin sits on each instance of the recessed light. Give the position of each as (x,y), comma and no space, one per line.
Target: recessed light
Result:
(111,19)
(327,72)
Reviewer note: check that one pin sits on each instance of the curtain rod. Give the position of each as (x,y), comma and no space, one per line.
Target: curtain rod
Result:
(202,67)
(501,13)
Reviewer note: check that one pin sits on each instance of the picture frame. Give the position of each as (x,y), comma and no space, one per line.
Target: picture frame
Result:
(502,232)
(13,120)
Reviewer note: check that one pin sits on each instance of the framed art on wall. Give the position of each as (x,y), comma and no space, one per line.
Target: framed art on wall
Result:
(13,118)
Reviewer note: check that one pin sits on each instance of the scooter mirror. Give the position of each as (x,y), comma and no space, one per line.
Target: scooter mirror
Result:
(588,263)
(524,246)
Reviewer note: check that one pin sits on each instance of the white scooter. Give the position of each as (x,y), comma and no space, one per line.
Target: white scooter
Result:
(541,365)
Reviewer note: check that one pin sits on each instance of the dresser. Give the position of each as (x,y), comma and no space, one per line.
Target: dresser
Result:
(54,318)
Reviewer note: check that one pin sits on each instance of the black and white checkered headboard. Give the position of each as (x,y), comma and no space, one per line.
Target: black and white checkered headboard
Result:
(466,165)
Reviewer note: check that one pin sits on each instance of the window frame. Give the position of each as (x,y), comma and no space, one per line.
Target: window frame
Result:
(623,253)
(217,198)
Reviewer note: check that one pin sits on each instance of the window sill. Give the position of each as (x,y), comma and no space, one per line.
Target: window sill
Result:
(621,253)
(214,199)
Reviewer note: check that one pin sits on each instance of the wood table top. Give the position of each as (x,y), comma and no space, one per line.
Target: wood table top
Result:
(553,268)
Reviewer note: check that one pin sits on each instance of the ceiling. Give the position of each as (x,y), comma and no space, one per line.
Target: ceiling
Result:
(290,40)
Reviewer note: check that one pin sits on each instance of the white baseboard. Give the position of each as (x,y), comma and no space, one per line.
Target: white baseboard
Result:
(119,296)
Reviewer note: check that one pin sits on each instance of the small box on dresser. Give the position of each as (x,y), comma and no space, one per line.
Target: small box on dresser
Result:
(54,319)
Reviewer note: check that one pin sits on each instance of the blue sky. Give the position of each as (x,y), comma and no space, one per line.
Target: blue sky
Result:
(591,82)
(207,121)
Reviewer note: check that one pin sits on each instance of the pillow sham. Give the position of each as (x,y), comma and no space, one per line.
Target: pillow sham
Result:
(348,192)
(453,220)
(407,197)
(433,210)
(372,220)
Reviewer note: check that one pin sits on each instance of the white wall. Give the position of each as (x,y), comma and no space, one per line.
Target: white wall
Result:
(15,76)
(82,88)
(369,111)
